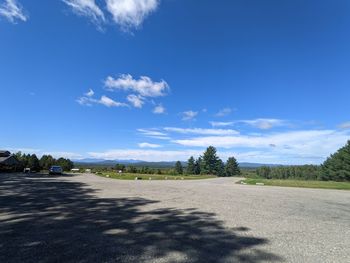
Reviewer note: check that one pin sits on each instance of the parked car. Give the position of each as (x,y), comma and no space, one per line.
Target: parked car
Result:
(56,170)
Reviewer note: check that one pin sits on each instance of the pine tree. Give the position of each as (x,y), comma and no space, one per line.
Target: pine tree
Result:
(231,167)
(210,162)
(197,169)
(191,166)
(220,168)
(33,163)
(178,168)
(337,166)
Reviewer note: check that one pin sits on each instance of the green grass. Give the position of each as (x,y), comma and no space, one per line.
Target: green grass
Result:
(300,183)
(127,176)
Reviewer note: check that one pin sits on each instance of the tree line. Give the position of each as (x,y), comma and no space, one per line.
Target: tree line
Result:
(209,164)
(335,168)
(44,163)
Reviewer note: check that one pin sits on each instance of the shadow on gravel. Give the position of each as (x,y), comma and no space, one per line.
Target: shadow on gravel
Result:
(45,220)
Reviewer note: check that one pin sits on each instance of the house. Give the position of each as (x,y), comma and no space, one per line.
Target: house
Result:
(8,162)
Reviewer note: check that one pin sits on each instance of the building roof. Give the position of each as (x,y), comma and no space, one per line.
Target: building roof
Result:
(9,160)
(4,153)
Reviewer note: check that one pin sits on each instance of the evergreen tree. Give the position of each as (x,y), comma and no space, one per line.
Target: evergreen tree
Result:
(191,166)
(33,163)
(337,166)
(197,166)
(178,168)
(231,167)
(46,161)
(209,164)
(220,168)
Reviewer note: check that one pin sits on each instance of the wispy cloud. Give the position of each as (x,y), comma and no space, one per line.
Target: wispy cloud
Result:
(144,86)
(145,155)
(201,131)
(154,133)
(130,14)
(189,115)
(307,143)
(149,145)
(223,112)
(344,125)
(159,109)
(136,100)
(264,124)
(13,11)
(104,100)
(87,8)
(221,123)
(90,93)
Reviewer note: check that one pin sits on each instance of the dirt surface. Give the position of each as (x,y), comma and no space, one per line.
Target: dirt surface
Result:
(86,218)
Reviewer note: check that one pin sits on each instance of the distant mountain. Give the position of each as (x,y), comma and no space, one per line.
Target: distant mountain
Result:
(102,162)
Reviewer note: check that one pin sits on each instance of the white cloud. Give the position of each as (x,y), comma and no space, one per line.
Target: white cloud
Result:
(153,133)
(189,115)
(202,131)
(159,109)
(69,155)
(221,123)
(143,86)
(104,100)
(308,144)
(264,124)
(12,11)
(110,102)
(149,145)
(145,155)
(223,112)
(136,100)
(90,93)
(87,8)
(345,125)
(130,13)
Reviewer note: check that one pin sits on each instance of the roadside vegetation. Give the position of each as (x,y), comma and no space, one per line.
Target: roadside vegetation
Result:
(135,176)
(335,168)
(299,183)
(46,161)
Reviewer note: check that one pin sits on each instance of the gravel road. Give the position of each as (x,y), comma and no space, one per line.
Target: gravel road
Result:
(85,218)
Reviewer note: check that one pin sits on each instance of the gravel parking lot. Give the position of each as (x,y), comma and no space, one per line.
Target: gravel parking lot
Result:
(86,218)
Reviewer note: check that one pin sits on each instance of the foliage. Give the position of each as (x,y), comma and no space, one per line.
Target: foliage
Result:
(210,161)
(300,183)
(337,166)
(179,168)
(232,168)
(305,172)
(46,161)
(197,166)
(191,166)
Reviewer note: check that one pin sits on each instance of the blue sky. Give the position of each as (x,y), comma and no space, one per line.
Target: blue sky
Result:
(266,81)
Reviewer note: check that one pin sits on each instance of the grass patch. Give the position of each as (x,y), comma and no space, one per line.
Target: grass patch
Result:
(300,183)
(128,176)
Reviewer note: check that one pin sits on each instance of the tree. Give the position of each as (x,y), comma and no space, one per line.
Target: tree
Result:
(220,168)
(191,166)
(178,168)
(197,166)
(33,163)
(210,162)
(66,164)
(120,167)
(231,167)
(337,166)
(46,161)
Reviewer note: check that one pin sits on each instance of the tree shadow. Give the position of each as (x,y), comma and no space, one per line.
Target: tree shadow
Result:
(45,220)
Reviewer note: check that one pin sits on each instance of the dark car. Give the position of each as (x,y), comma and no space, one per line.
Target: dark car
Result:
(56,170)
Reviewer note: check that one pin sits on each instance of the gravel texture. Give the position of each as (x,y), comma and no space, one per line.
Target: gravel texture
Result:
(86,218)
